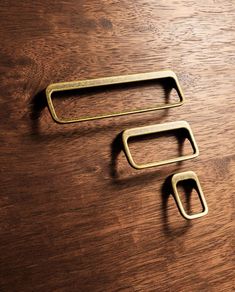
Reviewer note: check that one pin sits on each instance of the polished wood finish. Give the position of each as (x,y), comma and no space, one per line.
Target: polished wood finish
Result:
(74,216)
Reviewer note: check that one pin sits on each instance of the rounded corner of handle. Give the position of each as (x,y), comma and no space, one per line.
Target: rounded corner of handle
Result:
(49,91)
(206,209)
(192,173)
(129,158)
(134,165)
(54,115)
(186,124)
(172,179)
(124,135)
(57,120)
(197,152)
(182,99)
(172,74)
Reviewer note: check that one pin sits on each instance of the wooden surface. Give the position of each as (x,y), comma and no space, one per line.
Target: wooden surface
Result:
(74,216)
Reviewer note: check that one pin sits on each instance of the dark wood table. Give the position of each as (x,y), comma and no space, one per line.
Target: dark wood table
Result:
(74,215)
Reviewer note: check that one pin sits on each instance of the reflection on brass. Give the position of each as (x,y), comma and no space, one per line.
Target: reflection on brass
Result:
(188,175)
(157,129)
(65,86)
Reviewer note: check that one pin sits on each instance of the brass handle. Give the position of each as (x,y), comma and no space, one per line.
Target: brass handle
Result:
(65,86)
(187,176)
(157,129)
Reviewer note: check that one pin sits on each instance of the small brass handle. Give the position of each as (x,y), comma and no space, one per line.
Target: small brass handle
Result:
(187,176)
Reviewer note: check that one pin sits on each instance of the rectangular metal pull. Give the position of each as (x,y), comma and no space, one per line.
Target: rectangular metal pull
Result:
(65,86)
(185,176)
(157,129)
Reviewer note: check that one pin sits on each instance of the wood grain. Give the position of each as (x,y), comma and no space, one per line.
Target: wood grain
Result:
(74,216)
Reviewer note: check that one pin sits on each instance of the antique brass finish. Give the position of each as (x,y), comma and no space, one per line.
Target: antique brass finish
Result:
(157,129)
(65,86)
(188,175)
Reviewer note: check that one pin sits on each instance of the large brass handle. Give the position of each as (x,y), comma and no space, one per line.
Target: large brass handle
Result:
(65,86)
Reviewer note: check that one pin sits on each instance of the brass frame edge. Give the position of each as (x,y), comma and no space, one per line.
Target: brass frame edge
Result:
(157,129)
(186,176)
(65,86)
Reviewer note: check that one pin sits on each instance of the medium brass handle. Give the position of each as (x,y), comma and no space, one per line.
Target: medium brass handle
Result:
(134,132)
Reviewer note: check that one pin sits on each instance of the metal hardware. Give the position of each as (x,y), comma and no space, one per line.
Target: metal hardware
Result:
(157,129)
(188,175)
(65,86)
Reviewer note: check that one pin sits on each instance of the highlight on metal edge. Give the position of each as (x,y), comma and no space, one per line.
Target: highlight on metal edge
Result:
(124,79)
(186,176)
(134,132)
